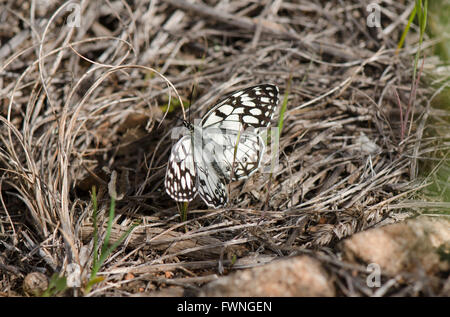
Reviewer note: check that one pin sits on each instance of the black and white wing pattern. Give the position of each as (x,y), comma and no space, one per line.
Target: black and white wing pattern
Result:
(225,147)
(237,154)
(211,185)
(251,107)
(180,181)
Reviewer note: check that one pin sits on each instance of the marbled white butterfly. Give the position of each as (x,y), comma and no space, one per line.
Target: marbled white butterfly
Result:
(226,145)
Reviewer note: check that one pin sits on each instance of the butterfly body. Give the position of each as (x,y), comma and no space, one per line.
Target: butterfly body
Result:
(225,146)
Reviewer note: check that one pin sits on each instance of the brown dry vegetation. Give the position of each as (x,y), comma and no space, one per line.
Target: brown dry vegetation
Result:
(79,105)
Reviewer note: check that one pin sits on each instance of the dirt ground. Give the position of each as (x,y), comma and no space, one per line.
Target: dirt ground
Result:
(90,92)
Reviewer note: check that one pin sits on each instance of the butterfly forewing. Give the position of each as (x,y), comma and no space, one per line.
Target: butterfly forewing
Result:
(251,107)
(180,181)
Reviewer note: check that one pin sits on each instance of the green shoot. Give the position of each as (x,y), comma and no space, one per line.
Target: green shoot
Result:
(421,10)
(183,211)
(173,105)
(422,16)
(284,105)
(280,128)
(106,248)
(406,30)
(57,285)
(94,223)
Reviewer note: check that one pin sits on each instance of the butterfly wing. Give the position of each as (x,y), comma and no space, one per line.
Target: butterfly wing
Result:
(180,181)
(248,155)
(250,107)
(215,157)
(236,151)
(210,178)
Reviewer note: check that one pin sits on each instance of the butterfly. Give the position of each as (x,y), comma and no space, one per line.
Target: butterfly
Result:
(225,146)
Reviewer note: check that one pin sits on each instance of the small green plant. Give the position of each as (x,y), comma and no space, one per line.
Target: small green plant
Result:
(280,128)
(183,211)
(58,284)
(174,104)
(284,106)
(433,16)
(421,10)
(106,249)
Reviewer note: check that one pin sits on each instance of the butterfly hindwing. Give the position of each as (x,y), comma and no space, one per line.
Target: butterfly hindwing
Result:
(210,178)
(180,181)
(248,155)
(236,154)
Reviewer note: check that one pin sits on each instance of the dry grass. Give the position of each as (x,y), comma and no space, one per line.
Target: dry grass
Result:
(77,103)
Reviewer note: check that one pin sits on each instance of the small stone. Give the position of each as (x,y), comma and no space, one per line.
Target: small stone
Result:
(297,276)
(408,246)
(35,284)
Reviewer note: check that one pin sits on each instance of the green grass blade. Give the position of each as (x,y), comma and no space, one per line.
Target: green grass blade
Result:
(56,285)
(110,223)
(94,223)
(100,259)
(406,30)
(422,11)
(183,211)
(121,239)
(284,106)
